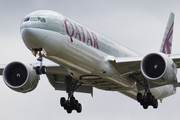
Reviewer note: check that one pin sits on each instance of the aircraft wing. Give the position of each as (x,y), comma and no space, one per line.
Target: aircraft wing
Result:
(130,65)
(2,66)
(176,59)
(127,65)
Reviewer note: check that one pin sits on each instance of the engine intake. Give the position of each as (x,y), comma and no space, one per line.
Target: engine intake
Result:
(20,77)
(158,68)
(154,66)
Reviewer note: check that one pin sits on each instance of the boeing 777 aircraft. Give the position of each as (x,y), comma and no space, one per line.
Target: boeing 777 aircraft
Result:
(84,59)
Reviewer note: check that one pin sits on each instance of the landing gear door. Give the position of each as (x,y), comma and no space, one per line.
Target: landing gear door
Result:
(62,27)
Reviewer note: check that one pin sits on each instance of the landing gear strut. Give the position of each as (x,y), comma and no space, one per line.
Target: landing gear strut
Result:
(71,103)
(147,99)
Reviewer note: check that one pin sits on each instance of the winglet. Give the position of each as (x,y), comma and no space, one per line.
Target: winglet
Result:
(166,45)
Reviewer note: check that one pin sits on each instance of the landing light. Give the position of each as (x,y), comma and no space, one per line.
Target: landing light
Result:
(37,52)
(40,53)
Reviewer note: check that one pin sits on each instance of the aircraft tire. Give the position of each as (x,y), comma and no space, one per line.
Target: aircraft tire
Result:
(149,97)
(145,105)
(155,105)
(63,101)
(139,97)
(66,106)
(38,70)
(69,110)
(79,110)
(72,101)
(76,105)
(43,70)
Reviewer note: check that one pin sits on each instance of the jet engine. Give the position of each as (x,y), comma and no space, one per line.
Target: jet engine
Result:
(20,76)
(159,68)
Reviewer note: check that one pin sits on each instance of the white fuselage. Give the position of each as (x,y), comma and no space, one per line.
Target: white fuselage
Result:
(84,52)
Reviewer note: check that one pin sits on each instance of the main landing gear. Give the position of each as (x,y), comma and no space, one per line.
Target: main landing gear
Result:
(71,103)
(147,99)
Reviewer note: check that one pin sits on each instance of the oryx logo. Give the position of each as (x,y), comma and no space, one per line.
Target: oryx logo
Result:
(167,43)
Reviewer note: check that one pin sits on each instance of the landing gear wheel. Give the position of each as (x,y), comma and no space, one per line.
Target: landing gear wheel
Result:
(155,105)
(63,101)
(38,70)
(67,105)
(142,102)
(79,109)
(149,97)
(76,105)
(43,70)
(153,101)
(145,105)
(72,101)
(69,110)
(139,97)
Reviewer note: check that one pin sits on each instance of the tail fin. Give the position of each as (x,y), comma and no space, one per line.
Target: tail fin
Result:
(166,45)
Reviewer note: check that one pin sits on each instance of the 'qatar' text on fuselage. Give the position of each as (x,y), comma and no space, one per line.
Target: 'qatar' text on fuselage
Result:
(73,31)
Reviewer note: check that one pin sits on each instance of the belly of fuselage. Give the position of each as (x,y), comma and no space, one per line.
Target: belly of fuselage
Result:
(88,65)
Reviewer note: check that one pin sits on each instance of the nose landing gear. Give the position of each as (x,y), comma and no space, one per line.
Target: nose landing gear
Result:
(39,69)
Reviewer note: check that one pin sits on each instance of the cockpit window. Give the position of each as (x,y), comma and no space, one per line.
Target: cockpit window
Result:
(38,19)
(26,19)
(34,19)
(43,20)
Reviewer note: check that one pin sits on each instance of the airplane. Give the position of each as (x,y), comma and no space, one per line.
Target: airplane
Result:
(84,59)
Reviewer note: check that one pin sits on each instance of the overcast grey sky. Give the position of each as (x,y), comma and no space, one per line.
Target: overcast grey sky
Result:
(139,25)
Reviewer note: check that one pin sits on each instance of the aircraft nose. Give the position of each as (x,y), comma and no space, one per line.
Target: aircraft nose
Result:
(31,38)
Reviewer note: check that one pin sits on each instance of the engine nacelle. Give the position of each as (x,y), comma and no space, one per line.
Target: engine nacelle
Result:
(159,68)
(20,76)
